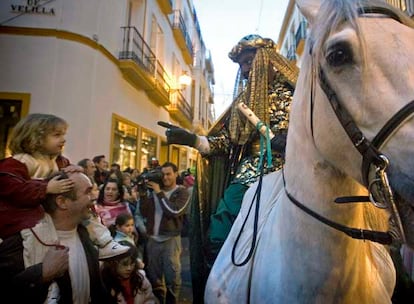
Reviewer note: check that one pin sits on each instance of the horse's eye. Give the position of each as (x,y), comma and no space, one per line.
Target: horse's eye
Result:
(339,54)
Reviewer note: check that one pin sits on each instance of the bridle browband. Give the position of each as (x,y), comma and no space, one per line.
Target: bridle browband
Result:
(371,156)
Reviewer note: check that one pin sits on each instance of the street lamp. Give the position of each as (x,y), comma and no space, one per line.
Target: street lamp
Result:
(184,79)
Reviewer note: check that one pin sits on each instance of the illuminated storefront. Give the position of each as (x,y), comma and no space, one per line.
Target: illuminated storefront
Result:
(132,145)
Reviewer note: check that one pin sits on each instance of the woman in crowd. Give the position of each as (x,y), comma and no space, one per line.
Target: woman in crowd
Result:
(111,202)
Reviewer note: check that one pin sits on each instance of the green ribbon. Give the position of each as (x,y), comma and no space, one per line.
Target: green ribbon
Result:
(259,125)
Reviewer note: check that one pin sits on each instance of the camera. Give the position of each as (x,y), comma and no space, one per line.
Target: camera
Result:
(154,175)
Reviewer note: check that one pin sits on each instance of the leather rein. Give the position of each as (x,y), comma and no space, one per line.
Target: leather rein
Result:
(381,194)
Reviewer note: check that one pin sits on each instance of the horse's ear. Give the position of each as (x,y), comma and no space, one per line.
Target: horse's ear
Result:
(309,8)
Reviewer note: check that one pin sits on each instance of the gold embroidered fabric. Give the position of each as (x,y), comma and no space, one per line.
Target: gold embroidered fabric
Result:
(256,94)
(268,93)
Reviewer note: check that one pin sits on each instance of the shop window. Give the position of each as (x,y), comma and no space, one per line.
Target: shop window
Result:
(148,149)
(125,143)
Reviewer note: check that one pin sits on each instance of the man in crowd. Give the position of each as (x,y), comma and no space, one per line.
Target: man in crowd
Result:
(164,206)
(88,167)
(265,83)
(55,261)
(101,172)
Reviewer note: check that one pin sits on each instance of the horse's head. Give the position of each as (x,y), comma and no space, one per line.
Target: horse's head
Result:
(360,59)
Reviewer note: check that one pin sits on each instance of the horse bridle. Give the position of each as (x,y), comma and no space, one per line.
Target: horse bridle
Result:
(381,194)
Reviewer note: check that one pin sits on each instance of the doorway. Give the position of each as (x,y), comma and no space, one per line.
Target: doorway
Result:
(12,108)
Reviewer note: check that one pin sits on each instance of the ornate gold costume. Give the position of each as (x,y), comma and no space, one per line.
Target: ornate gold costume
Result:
(275,109)
(232,162)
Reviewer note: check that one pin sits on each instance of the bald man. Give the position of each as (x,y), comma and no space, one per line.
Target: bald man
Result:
(37,270)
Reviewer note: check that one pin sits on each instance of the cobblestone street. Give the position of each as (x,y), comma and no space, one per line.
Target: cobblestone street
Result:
(186,295)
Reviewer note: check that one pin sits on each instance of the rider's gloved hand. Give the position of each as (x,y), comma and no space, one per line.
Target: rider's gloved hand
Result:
(181,137)
(177,135)
(278,143)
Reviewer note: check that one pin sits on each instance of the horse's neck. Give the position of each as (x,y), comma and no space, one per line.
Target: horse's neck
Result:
(316,183)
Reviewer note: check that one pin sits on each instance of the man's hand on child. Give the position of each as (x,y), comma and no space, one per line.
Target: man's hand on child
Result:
(59,186)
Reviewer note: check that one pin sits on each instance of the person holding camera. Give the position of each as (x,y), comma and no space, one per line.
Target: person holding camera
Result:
(163,203)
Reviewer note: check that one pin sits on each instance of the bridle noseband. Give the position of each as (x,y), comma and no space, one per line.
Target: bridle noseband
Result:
(381,194)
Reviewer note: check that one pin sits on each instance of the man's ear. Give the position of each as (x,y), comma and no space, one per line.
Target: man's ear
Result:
(62,202)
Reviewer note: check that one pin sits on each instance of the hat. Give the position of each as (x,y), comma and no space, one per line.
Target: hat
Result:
(189,180)
(250,42)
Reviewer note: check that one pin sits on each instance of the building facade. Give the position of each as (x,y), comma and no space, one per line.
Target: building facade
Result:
(292,34)
(112,69)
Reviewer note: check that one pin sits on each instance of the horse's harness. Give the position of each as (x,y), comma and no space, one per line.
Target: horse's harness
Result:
(380,192)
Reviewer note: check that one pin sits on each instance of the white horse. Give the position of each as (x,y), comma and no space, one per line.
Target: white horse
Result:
(367,59)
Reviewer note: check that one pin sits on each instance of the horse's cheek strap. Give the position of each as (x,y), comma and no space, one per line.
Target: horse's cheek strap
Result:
(365,148)
(390,126)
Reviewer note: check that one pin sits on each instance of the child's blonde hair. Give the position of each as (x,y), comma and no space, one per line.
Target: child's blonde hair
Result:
(29,134)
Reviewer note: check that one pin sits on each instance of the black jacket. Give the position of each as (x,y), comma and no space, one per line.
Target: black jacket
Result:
(20,285)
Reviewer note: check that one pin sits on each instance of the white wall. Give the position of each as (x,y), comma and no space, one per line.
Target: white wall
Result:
(78,83)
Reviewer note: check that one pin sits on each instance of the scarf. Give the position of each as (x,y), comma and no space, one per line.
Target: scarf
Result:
(126,291)
(110,203)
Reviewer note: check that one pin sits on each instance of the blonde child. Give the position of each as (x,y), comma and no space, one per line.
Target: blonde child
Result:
(36,146)
(125,281)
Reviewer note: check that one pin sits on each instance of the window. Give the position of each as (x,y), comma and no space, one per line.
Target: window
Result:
(13,107)
(148,148)
(124,144)
(132,145)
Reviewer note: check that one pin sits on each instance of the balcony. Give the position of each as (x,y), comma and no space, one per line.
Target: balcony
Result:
(182,37)
(291,54)
(141,68)
(209,62)
(300,37)
(166,6)
(406,6)
(180,110)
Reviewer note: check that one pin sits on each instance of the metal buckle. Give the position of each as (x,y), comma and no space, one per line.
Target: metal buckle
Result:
(381,187)
(376,186)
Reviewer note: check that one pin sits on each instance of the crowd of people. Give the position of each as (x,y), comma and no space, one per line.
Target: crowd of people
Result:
(84,232)
(89,232)
(128,209)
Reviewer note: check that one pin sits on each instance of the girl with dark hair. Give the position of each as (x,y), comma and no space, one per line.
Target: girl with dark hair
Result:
(125,228)
(125,231)
(126,283)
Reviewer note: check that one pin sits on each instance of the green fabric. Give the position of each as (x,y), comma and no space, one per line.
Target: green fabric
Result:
(226,213)
(207,191)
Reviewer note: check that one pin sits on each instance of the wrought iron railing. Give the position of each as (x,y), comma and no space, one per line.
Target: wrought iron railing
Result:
(404,5)
(179,23)
(179,103)
(135,48)
(291,54)
(300,32)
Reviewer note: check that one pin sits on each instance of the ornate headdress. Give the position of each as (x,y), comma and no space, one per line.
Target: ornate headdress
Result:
(256,93)
(249,42)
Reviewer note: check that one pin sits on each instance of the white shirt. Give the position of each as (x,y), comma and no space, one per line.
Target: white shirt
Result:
(78,266)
